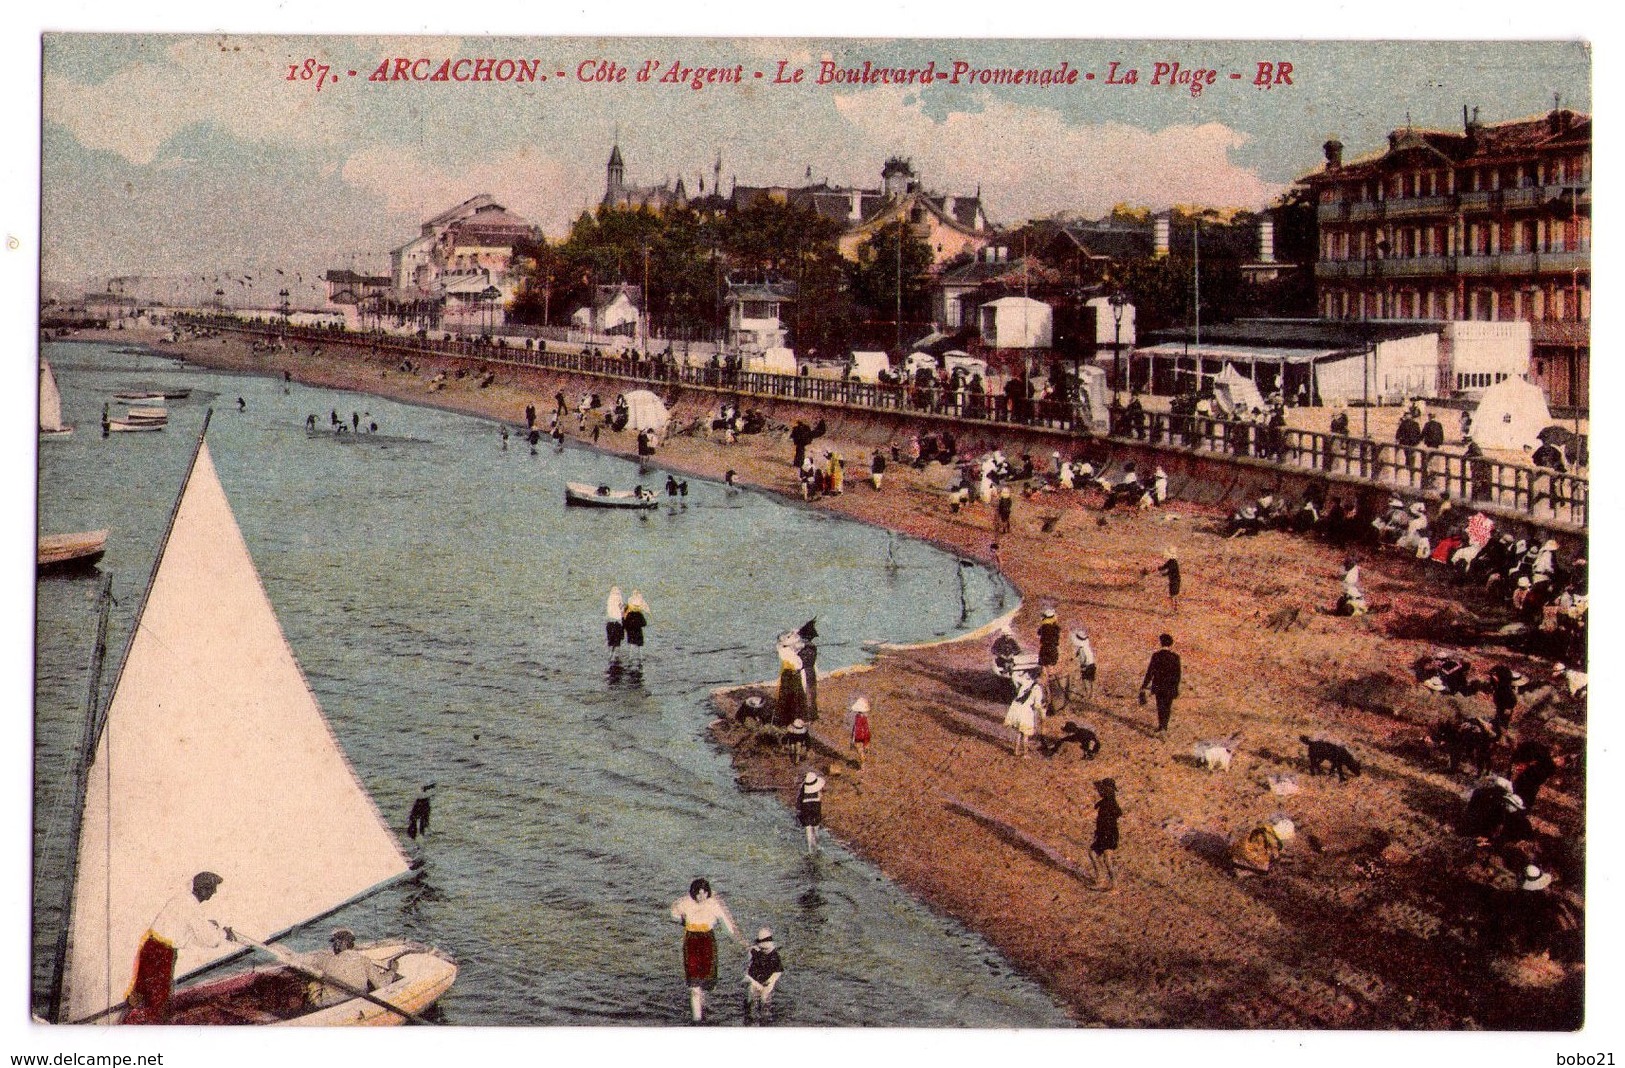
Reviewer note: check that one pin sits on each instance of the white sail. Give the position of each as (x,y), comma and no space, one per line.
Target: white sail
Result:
(50,401)
(214,756)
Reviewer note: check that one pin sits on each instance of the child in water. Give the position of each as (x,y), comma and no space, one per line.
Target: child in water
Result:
(762,973)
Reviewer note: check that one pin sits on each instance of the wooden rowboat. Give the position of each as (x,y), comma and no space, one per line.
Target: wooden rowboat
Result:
(581,495)
(60,553)
(278,994)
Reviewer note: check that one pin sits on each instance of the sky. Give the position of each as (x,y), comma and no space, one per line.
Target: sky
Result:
(196,154)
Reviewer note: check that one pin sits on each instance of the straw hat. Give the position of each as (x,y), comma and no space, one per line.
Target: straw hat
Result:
(764,938)
(861,705)
(798,725)
(812,779)
(1535,879)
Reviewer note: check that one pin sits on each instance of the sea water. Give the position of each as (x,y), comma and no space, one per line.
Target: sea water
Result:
(448,612)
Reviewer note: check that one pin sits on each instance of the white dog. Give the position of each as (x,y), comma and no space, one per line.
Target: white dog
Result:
(1216,755)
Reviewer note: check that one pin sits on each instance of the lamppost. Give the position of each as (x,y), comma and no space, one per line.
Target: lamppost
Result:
(1118,301)
(489,296)
(287,309)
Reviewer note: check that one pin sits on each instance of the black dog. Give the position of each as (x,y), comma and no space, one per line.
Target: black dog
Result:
(1334,756)
(1088,741)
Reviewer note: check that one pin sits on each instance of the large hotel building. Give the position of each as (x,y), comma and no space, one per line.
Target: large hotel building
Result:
(1492,222)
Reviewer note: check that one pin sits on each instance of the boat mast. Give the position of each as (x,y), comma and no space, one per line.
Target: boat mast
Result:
(81,768)
(95,719)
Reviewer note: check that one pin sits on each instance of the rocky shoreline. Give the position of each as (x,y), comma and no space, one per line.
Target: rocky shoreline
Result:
(1371,919)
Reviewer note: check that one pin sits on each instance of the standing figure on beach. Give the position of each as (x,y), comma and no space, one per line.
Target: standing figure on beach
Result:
(810,807)
(1049,645)
(1027,708)
(1170,567)
(809,665)
(877,469)
(1084,650)
(1162,676)
(635,619)
(1107,813)
(792,699)
(699,912)
(614,616)
(860,729)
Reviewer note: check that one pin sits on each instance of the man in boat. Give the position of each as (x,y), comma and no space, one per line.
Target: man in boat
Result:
(181,923)
(349,969)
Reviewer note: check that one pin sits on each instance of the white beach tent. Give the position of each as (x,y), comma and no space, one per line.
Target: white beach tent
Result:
(1511,415)
(1234,394)
(645,411)
(774,361)
(867,365)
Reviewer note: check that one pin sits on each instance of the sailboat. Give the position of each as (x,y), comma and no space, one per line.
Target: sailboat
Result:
(50,404)
(212,754)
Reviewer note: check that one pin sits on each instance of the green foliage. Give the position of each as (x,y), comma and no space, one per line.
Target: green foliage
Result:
(892,259)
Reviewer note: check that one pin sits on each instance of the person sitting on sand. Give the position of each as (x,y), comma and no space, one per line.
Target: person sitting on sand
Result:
(1261,847)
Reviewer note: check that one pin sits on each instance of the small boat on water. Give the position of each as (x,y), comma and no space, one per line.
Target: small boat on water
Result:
(62,553)
(147,396)
(213,755)
(129,426)
(147,415)
(50,405)
(581,495)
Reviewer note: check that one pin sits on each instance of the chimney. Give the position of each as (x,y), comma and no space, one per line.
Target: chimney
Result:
(856,214)
(1266,240)
(1159,236)
(1334,154)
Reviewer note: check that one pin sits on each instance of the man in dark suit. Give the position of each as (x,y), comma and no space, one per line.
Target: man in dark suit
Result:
(1162,679)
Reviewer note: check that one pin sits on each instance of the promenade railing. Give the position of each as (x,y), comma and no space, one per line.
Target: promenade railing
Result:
(1537,492)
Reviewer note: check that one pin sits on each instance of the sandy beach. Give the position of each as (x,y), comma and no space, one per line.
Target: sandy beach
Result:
(1372,918)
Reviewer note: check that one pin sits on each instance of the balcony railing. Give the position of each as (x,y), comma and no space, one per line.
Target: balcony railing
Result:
(1534,492)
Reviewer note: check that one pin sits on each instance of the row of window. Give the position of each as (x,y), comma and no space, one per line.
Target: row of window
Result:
(1528,175)
(1484,305)
(1479,379)
(1475,239)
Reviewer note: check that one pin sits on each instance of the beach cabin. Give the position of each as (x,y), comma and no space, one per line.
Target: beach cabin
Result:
(755,322)
(1016,323)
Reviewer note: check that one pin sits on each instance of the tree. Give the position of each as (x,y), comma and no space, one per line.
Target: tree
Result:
(891,278)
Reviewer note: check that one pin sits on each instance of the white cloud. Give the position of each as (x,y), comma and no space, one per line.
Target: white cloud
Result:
(238,83)
(1032,162)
